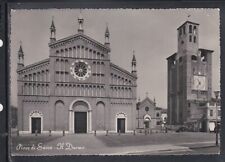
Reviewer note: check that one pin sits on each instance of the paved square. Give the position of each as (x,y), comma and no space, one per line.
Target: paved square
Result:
(113,144)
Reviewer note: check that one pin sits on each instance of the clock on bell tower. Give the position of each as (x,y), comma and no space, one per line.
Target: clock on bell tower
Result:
(199,83)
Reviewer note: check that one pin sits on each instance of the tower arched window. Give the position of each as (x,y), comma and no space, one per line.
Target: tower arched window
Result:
(190,38)
(194,39)
(195,30)
(190,28)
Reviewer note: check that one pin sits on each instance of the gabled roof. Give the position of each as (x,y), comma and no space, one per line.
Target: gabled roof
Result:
(122,70)
(81,36)
(147,99)
(34,64)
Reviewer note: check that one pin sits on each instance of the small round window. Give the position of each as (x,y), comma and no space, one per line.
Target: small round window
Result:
(146,108)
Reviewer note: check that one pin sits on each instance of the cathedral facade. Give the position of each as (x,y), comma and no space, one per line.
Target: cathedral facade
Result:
(77,89)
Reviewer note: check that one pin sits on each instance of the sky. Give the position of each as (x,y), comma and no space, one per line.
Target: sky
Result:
(151,33)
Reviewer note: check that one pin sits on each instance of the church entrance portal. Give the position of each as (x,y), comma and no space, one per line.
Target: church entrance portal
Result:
(80,121)
(80,117)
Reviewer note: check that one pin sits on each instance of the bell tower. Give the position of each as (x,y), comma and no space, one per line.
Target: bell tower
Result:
(134,64)
(81,23)
(107,34)
(20,62)
(189,76)
(188,38)
(52,31)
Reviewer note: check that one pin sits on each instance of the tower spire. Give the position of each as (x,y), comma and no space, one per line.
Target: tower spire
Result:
(52,31)
(133,64)
(20,62)
(81,23)
(107,34)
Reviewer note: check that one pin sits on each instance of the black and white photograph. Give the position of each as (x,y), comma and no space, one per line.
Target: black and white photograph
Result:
(114,81)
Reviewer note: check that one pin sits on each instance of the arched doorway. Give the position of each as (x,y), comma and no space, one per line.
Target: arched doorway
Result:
(121,122)
(147,121)
(36,122)
(80,117)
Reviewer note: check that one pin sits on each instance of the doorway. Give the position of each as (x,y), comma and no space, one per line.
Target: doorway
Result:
(146,124)
(121,125)
(35,125)
(80,122)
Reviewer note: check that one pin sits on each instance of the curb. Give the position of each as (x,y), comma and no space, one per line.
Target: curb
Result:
(198,147)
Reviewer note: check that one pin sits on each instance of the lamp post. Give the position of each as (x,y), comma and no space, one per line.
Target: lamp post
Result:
(138,104)
(216,125)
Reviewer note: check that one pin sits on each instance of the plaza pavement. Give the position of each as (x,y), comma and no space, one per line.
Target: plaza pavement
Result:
(113,144)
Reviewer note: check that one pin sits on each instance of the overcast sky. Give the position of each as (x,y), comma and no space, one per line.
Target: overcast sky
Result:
(151,33)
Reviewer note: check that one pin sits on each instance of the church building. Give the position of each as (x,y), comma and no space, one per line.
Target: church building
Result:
(149,116)
(77,89)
